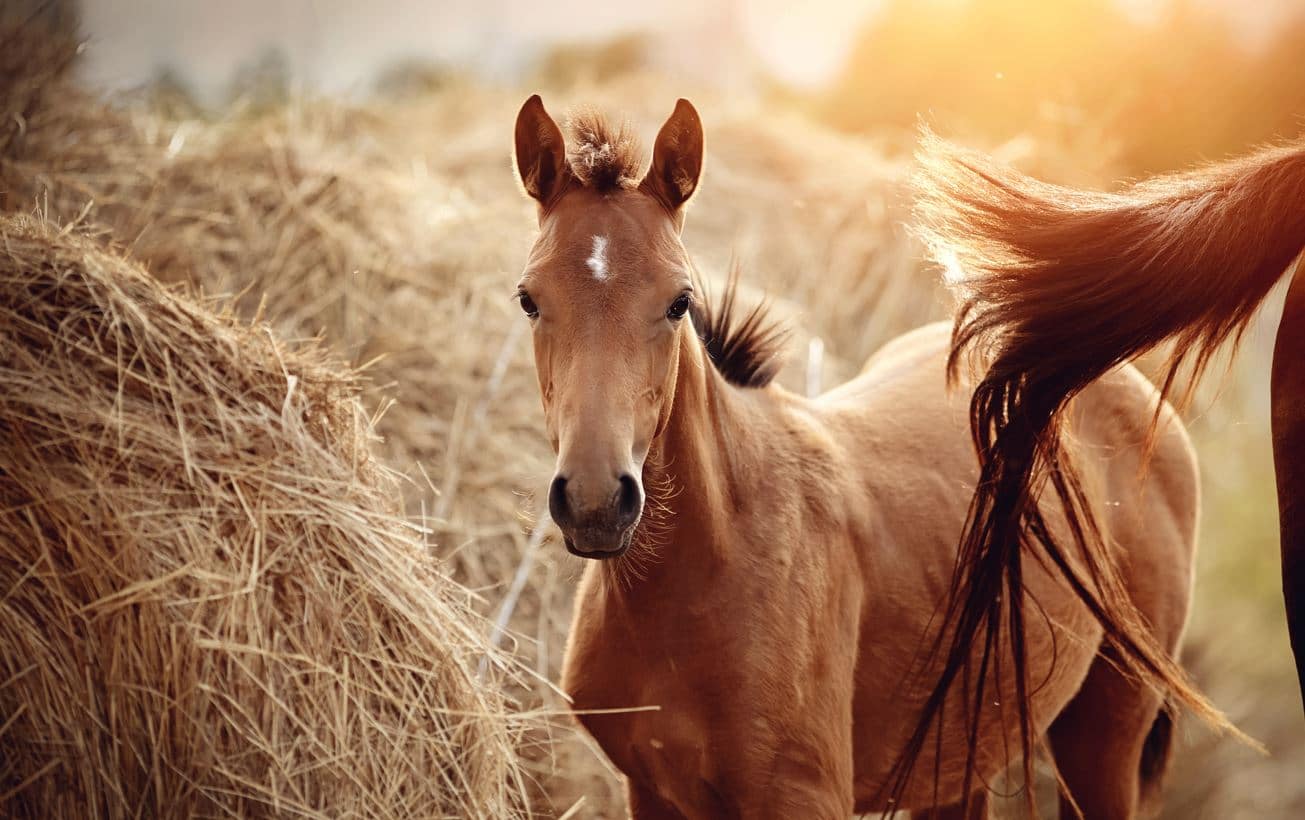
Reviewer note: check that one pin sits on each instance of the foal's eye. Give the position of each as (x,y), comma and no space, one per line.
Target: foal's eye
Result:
(679,307)
(528,305)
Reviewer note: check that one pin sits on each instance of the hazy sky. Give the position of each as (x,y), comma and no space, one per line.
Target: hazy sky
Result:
(340,45)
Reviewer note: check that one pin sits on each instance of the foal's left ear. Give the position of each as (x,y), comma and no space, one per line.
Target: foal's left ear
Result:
(677,158)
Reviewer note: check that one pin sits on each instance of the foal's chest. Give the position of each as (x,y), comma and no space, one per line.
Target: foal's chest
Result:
(681,687)
(671,747)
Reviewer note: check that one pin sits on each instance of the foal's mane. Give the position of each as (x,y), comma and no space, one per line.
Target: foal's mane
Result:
(744,346)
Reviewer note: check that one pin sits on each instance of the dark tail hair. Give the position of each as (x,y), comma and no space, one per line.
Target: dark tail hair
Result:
(1058,286)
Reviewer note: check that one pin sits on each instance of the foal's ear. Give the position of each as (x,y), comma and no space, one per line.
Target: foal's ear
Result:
(677,158)
(540,152)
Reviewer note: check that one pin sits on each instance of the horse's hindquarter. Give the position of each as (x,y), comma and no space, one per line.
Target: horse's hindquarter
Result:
(1149,505)
(916,467)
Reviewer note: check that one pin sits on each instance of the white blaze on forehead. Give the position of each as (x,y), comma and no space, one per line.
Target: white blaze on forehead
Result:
(597,261)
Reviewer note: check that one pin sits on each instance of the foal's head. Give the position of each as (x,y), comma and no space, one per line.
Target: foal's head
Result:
(607,287)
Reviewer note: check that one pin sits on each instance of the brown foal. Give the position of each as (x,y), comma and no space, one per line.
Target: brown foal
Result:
(774,567)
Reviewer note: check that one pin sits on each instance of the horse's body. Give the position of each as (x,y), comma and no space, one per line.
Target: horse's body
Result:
(777,602)
(808,547)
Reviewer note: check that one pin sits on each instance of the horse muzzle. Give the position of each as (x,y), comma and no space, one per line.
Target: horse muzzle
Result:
(596,530)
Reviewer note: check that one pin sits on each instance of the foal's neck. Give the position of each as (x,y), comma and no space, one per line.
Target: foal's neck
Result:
(699,470)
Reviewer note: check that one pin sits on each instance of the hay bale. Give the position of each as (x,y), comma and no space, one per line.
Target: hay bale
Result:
(209,603)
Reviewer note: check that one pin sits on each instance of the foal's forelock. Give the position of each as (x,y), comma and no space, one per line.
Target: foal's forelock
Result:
(603,156)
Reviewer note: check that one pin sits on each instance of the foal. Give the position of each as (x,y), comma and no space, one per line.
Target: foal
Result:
(774,595)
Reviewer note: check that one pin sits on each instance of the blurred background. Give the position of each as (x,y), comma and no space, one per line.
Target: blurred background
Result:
(1164,82)
(811,112)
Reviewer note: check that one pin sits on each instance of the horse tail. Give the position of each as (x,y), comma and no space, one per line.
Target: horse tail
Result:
(1156,752)
(1058,286)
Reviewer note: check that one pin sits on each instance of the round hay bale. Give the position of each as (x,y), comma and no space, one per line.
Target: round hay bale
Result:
(209,601)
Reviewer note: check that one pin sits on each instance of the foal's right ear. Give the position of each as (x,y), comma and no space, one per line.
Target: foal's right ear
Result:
(540,152)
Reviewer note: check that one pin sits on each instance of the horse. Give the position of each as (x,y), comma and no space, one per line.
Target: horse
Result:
(750,637)
(1059,287)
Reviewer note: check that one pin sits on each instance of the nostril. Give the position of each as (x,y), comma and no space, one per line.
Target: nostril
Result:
(629,501)
(557,506)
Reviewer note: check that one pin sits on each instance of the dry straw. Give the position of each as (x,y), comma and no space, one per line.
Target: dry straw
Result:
(210,604)
(311,242)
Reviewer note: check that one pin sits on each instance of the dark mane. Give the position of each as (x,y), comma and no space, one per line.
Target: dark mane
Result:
(744,346)
(603,156)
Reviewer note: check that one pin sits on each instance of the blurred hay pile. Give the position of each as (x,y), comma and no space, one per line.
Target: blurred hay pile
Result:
(210,604)
(394,232)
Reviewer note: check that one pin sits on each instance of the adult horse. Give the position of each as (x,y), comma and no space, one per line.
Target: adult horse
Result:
(771,565)
(1060,287)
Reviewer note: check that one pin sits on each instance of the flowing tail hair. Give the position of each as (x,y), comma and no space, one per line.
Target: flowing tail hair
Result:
(1057,287)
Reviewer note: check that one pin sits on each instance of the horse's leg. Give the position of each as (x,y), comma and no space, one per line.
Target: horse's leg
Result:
(1098,743)
(1288,398)
(646,805)
(978,811)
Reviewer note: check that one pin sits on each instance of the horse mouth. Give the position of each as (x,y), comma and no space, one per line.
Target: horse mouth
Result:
(600,553)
